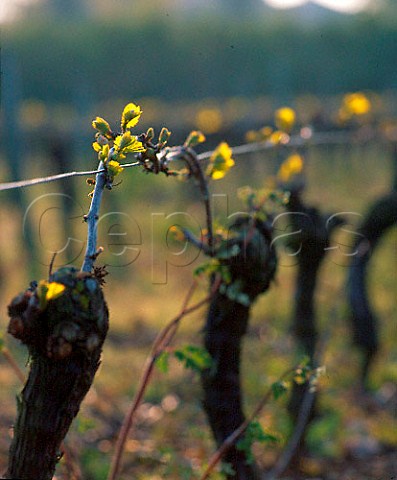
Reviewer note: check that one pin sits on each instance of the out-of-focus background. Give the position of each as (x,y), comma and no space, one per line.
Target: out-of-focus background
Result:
(67,62)
(221,66)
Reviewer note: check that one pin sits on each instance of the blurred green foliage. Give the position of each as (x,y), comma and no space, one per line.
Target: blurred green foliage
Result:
(254,433)
(180,58)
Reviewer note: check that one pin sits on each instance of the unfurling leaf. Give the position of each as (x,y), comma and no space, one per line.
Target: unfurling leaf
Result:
(102,126)
(127,143)
(150,134)
(220,161)
(130,116)
(96,147)
(162,362)
(194,138)
(164,135)
(195,358)
(114,168)
(47,291)
(279,389)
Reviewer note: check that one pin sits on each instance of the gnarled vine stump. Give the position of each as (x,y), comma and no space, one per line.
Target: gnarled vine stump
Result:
(381,216)
(252,269)
(64,335)
(311,246)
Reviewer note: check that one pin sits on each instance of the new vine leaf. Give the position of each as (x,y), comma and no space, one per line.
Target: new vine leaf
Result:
(254,433)
(154,155)
(190,356)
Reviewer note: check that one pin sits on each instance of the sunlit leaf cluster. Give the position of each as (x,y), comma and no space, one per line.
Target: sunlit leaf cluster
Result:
(221,161)
(279,133)
(292,165)
(354,105)
(114,147)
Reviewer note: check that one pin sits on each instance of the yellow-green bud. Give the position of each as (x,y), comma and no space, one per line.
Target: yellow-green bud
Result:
(102,140)
(101,125)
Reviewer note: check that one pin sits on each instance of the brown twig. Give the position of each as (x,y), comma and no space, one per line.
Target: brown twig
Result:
(233,437)
(190,157)
(73,469)
(199,174)
(162,341)
(307,403)
(51,264)
(289,451)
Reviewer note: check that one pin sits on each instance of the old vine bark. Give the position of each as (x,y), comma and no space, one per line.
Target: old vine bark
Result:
(252,270)
(381,216)
(310,245)
(64,337)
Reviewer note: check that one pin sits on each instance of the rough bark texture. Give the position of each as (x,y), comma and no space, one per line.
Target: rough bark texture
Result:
(64,336)
(380,217)
(311,244)
(253,269)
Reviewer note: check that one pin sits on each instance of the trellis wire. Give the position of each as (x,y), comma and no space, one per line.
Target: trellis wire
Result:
(334,138)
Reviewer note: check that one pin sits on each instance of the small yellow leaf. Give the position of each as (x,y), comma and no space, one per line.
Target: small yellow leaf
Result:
(114,168)
(284,119)
(134,147)
(194,138)
(47,291)
(218,174)
(220,161)
(357,103)
(177,233)
(354,104)
(55,290)
(101,125)
(278,137)
(290,167)
(130,116)
(103,155)
(97,147)
(121,141)
(128,143)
